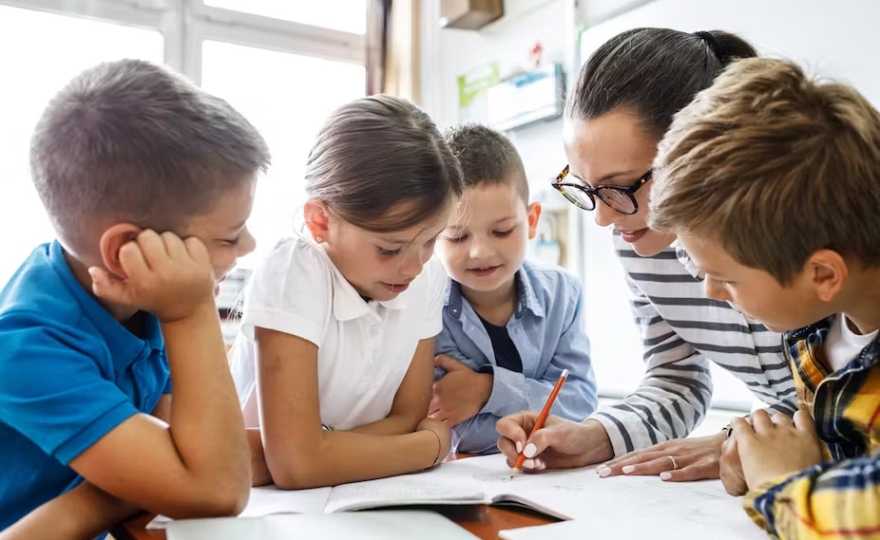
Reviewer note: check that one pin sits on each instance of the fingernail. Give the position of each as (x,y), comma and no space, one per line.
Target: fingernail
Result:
(529,464)
(603,472)
(628,469)
(665,475)
(530,450)
(518,447)
(539,464)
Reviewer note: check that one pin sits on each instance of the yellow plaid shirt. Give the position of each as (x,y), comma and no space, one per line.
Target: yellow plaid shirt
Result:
(839,498)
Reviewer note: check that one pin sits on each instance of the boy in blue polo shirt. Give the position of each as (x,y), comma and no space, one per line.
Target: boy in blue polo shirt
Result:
(510,326)
(148,182)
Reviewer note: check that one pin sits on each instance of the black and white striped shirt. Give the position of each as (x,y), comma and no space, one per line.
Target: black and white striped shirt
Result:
(682,331)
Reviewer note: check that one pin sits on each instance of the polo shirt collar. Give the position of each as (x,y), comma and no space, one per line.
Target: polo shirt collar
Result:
(124,346)
(348,303)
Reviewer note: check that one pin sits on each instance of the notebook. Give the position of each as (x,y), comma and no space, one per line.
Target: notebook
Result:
(386,525)
(437,486)
(576,494)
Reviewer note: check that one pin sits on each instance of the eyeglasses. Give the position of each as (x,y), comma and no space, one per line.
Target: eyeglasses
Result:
(619,198)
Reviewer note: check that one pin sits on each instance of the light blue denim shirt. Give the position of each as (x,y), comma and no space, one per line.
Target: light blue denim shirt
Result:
(547,328)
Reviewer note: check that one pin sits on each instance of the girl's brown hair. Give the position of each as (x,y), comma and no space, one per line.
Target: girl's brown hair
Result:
(382,165)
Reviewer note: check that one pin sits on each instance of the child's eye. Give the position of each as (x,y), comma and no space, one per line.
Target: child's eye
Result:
(502,234)
(231,243)
(456,239)
(388,252)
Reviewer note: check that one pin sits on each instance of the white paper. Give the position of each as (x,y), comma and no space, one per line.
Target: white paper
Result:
(269,500)
(385,525)
(645,504)
(623,528)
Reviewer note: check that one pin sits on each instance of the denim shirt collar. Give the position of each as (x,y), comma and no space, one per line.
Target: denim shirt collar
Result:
(526,299)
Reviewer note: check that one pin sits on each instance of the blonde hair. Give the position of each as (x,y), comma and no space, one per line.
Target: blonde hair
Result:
(774,166)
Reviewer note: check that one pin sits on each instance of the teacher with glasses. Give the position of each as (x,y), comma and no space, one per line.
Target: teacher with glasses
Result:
(623,102)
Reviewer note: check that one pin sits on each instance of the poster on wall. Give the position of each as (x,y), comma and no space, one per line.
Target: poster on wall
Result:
(473,105)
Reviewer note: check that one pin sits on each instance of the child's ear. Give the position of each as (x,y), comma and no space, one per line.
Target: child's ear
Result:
(111,241)
(534,210)
(828,272)
(317,218)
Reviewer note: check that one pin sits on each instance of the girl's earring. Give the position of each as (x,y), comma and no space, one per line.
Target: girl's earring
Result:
(319,239)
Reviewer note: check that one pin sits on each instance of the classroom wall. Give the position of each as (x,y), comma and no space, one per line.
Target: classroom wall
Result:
(448,53)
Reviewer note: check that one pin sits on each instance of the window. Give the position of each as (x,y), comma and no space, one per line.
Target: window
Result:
(39,68)
(345,15)
(296,94)
(285,65)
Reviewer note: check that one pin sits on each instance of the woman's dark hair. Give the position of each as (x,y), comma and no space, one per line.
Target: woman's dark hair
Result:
(381,164)
(654,71)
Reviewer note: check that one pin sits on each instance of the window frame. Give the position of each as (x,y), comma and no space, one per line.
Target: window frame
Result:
(186,24)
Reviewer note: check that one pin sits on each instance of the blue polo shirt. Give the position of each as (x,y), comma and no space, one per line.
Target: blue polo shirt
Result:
(69,374)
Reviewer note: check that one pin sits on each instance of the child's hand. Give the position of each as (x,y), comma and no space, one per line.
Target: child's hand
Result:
(164,275)
(731,470)
(460,394)
(772,447)
(443,433)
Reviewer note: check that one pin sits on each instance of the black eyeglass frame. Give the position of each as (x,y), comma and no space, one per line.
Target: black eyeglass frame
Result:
(593,193)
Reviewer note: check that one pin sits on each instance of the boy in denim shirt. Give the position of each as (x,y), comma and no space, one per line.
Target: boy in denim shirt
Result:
(510,326)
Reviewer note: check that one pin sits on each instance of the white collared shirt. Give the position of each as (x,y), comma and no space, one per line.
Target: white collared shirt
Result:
(364,348)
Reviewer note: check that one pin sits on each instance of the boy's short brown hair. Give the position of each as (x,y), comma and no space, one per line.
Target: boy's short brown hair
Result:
(487,156)
(774,166)
(130,141)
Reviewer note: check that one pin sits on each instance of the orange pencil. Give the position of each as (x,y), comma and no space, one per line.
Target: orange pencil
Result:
(541,418)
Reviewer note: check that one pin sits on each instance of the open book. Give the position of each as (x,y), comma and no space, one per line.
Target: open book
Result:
(440,485)
(577,494)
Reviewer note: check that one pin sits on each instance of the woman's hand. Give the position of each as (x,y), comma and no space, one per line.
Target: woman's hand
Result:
(560,444)
(680,460)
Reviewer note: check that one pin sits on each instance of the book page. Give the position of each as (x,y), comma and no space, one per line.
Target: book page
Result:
(580,494)
(440,485)
(270,500)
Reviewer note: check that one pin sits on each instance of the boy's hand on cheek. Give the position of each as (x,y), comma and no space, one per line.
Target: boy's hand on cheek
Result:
(460,394)
(772,447)
(165,275)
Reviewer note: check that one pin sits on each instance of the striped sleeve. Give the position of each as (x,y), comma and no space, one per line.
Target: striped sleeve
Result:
(828,501)
(674,395)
